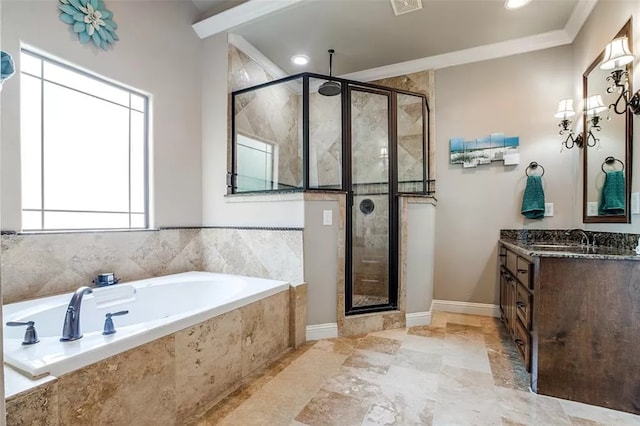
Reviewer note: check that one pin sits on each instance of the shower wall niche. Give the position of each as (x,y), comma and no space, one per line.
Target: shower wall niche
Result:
(369,143)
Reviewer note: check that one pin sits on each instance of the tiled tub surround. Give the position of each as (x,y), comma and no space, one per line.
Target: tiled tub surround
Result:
(168,381)
(44,264)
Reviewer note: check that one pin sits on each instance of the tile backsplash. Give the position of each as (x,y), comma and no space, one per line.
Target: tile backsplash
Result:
(37,265)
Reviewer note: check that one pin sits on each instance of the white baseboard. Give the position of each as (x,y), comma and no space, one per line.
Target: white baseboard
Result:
(418,318)
(322,331)
(484,309)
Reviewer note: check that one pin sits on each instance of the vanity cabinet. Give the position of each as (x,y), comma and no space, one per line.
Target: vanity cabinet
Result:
(516,300)
(575,320)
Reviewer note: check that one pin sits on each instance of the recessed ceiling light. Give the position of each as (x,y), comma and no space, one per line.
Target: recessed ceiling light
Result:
(515,4)
(300,59)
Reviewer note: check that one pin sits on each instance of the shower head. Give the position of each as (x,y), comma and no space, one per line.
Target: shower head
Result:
(330,88)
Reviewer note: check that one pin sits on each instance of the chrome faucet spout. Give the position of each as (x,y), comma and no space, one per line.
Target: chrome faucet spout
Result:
(584,238)
(71,328)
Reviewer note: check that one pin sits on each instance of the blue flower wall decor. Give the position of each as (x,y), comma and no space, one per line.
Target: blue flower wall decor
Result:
(90,20)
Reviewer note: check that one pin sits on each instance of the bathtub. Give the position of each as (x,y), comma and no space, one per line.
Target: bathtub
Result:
(161,306)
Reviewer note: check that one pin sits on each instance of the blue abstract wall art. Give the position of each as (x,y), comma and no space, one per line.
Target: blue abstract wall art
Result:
(484,150)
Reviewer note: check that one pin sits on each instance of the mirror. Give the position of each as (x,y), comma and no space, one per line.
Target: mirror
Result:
(607,148)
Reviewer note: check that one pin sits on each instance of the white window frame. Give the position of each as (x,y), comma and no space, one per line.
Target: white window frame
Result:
(130,108)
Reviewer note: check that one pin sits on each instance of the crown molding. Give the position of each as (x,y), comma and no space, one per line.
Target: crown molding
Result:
(251,51)
(580,13)
(578,17)
(238,15)
(465,56)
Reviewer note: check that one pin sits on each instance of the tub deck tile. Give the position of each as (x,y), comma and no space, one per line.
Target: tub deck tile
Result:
(138,384)
(207,362)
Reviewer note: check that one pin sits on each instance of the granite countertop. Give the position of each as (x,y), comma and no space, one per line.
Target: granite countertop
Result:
(542,249)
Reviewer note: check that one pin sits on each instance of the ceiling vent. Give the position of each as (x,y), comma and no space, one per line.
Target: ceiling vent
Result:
(400,7)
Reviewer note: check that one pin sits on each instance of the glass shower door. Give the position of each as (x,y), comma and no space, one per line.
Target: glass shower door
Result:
(372,209)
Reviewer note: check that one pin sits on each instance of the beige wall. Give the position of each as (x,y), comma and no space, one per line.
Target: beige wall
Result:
(516,95)
(218,210)
(605,21)
(158,53)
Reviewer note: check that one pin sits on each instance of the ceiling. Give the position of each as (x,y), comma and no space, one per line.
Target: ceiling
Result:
(366,34)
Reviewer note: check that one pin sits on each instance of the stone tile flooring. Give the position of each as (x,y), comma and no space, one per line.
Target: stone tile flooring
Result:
(461,370)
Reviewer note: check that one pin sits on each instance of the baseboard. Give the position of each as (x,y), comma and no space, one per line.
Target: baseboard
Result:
(418,318)
(483,309)
(322,331)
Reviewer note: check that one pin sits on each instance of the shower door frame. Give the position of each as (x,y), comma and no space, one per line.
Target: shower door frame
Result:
(428,185)
(392,199)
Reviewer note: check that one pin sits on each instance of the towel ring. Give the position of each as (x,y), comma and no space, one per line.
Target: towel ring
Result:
(533,165)
(610,161)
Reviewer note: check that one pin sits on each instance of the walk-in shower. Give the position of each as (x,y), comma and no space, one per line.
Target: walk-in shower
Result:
(368,142)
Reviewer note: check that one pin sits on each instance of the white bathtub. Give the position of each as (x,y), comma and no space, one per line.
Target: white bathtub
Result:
(162,306)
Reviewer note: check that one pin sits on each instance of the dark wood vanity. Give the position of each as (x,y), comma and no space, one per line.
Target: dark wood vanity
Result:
(575,318)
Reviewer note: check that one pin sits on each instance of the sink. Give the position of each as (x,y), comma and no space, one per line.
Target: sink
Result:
(554,246)
(573,248)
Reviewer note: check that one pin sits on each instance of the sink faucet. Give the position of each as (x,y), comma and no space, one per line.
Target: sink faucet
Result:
(71,328)
(584,238)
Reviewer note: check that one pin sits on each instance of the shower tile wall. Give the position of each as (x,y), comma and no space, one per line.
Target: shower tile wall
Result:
(37,265)
(370,248)
(325,140)
(419,82)
(269,115)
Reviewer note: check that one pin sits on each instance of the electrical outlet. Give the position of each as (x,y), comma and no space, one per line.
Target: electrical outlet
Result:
(327,217)
(592,208)
(548,209)
(635,203)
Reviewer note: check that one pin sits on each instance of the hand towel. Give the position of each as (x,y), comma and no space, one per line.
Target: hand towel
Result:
(533,198)
(612,198)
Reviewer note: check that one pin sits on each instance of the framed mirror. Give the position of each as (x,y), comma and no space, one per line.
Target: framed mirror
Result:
(607,147)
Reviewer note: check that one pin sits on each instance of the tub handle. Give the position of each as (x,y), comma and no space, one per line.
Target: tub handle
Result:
(109,328)
(30,335)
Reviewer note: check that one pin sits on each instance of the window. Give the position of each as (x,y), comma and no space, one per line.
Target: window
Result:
(256,164)
(84,149)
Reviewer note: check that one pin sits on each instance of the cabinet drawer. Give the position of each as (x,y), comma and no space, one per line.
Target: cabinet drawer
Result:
(523,306)
(523,342)
(502,255)
(523,272)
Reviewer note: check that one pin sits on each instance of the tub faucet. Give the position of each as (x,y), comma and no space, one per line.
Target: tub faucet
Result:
(584,238)
(71,327)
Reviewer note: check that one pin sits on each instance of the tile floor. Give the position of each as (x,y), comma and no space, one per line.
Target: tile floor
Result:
(461,370)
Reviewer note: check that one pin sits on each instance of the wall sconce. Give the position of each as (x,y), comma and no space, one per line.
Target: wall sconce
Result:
(565,111)
(594,106)
(384,154)
(616,55)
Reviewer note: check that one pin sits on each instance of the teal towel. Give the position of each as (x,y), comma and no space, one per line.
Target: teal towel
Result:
(612,198)
(533,199)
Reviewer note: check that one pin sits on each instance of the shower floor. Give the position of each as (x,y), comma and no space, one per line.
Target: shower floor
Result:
(367,300)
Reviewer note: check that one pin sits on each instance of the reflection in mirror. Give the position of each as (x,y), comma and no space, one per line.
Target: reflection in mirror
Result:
(607,150)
